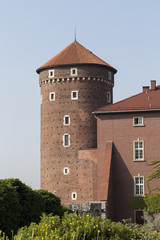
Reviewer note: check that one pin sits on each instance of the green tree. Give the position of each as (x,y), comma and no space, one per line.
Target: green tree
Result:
(155,174)
(20,205)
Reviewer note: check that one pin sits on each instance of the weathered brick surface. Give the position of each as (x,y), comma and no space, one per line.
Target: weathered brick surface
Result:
(92,94)
(119,128)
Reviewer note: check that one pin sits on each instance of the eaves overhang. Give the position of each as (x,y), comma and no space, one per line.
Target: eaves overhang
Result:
(126,111)
(75,64)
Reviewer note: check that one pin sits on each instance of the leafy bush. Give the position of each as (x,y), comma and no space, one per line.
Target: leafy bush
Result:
(151,202)
(20,205)
(84,227)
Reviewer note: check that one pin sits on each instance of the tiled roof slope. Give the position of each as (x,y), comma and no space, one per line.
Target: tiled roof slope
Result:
(148,100)
(74,53)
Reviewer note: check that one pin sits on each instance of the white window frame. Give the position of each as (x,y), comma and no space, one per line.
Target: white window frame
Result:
(109,75)
(41,99)
(72,97)
(64,140)
(139,185)
(49,73)
(50,96)
(138,149)
(139,121)
(64,170)
(72,196)
(108,97)
(76,72)
(64,120)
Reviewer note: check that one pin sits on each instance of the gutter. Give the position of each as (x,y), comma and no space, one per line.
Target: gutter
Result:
(127,111)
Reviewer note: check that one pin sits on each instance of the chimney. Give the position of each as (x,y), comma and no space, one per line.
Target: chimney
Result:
(145,88)
(153,85)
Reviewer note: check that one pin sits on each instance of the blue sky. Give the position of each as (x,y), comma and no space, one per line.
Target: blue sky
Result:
(125,33)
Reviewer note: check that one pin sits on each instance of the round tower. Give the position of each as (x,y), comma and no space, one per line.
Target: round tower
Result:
(73,84)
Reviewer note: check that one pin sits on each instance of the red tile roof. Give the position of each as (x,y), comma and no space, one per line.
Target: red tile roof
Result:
(148,100)
(74,53)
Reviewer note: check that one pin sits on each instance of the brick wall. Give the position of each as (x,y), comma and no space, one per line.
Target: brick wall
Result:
(119,128)
(92,94)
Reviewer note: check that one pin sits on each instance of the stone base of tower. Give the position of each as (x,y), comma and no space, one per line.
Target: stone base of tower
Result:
(96,208)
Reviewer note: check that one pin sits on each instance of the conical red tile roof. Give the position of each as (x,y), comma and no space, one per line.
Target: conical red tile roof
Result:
(74,53)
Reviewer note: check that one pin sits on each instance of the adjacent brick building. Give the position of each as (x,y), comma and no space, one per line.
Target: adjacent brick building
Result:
(100,157)
(128,138)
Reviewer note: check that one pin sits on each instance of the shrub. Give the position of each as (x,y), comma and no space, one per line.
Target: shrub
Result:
(20,205)
(77,227)
(151,202)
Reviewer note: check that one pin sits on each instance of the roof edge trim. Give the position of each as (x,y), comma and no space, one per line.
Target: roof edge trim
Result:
(75,64)
(126,111)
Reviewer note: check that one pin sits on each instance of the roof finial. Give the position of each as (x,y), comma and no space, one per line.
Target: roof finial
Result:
(75,35)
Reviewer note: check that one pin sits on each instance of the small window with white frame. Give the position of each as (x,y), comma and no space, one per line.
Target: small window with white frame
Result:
(74,72)
(74,95)
(108,97)
(138,121)
(139,186)
(51,73)
(66,120)
(74,195)
(138,148)
(109,75)
(52,96)
(66,140)
(66,170)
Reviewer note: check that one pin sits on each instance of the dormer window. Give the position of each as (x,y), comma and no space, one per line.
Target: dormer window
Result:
(51,73)
(138,121)
(74,72)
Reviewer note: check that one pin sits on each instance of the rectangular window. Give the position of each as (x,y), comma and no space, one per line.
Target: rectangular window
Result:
(139,216)
(138,150)
(74,72)
(139,186)
(66,120)
(138,121)
(74,196)
(74,95)
(51,73)
(109,75)
(108,97)
(66,170)
(66,140)
(52,96)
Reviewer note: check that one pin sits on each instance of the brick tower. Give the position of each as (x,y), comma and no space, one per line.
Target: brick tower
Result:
(73,84)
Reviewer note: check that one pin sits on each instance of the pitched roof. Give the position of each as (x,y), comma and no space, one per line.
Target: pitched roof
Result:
(74,53)
(148,100)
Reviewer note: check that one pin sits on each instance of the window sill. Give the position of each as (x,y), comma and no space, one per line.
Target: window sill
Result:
(139,160)
(139,196)
(139,125)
